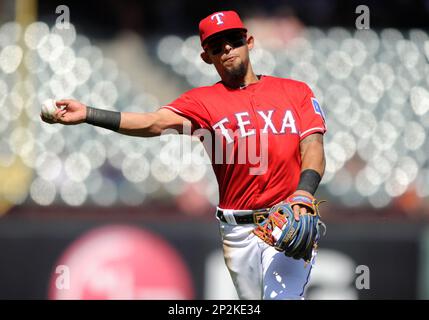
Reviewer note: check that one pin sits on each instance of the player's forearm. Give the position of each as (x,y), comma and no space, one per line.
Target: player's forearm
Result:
(148,124)
(312,163)
(312,170)
(312,153)
(140,124)
(314,158)
(128,123)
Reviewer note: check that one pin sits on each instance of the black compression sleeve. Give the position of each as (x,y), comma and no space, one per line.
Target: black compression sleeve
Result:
(103,118)
(309,181)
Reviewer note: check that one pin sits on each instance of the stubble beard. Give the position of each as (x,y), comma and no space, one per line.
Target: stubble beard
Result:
(237,73)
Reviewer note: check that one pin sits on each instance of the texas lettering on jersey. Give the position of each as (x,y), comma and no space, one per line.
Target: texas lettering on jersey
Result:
(243,120)
(270,117)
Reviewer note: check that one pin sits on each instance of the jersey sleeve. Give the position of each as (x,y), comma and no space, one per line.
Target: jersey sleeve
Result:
(189,107)
(311,115)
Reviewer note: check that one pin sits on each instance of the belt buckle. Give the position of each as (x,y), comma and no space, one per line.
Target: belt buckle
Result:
(260,216)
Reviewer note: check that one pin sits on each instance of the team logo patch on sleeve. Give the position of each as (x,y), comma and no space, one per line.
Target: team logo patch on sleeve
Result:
(317,108)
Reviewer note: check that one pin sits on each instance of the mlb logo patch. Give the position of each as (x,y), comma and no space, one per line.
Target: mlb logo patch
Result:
(317,108)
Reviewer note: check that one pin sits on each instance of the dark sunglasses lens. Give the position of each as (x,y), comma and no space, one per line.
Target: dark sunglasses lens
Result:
(235,39)
(216,50)
(238,42)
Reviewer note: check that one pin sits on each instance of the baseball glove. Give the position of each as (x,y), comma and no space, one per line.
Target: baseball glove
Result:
(297,239)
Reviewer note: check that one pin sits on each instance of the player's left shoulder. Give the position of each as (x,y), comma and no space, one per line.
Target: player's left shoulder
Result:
(291,84)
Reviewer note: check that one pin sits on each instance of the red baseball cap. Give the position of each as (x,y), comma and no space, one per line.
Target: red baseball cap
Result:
(218,22)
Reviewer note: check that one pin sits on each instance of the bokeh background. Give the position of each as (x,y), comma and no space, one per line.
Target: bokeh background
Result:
(86,213)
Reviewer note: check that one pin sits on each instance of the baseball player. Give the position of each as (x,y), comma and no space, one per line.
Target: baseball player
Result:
(284,121)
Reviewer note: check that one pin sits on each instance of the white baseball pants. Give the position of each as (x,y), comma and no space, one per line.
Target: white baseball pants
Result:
(259,271)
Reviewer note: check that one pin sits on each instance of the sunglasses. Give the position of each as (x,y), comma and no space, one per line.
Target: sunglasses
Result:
(235,39)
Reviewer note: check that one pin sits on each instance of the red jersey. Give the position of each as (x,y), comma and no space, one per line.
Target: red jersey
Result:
(273,114)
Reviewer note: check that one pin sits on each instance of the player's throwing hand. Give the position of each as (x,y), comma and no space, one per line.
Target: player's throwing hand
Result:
(69,112)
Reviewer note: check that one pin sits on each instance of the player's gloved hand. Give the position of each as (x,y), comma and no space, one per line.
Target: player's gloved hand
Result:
(297,238)
(301,202)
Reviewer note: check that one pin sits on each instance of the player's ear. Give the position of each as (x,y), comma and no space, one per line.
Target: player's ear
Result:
(206,58)
(250,42)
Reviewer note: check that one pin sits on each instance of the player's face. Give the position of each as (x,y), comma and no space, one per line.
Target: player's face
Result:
(229,52)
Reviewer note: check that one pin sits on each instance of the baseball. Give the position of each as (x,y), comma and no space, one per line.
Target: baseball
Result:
(48,108)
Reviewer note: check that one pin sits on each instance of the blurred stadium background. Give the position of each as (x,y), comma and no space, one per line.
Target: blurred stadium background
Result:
(87,213)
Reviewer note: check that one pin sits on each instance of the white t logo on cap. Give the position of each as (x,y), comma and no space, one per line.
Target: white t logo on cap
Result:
(217,16)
